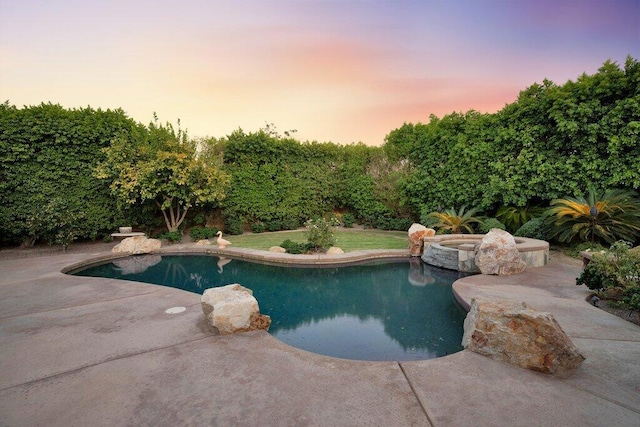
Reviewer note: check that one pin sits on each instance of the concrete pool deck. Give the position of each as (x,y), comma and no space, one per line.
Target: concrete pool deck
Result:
(78,351)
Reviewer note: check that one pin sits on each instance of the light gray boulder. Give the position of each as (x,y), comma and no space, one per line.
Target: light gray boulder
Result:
(498,254)
(232,308)
(137,245)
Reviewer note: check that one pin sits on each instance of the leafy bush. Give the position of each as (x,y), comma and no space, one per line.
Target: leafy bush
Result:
(533,229)
(258,227)
(514,217)
(487,224)
(201,233)
(290,224)
(172,236)
(234,226)
(348,220)
(386,223)
(296,248)
(320,233)
(574,250)
(274,225)
(619,267)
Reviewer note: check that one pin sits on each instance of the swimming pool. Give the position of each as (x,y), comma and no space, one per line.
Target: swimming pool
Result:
(376,311)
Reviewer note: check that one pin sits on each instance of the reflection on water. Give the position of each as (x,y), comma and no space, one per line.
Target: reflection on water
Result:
(383,311)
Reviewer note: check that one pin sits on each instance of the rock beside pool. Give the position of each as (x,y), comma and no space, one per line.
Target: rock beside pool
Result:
(515,333)
(277,249)
(203,242)
(232,308)
(498,254)
(137,245)
(334,250)
(417,233)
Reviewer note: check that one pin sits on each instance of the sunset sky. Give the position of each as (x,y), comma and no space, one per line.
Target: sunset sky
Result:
(339,71)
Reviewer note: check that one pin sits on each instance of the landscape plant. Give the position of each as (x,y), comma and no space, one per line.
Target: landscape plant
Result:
(488,224)
(514,217)
(615,269)
(320,233)
(295,247)
(533,229)
(604,216)
(452,221)
(200,233)
(165,167)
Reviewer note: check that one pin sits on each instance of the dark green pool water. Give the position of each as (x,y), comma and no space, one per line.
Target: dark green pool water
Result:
(382,311)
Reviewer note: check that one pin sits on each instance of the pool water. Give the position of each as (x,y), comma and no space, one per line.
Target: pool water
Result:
(379,311)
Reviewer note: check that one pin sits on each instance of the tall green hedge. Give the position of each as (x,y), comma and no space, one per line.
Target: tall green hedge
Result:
(47,157)
(553,141)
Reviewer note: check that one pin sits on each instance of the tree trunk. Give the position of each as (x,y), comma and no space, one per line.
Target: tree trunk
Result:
(172,215)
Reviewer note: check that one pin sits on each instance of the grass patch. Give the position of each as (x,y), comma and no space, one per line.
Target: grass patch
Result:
(348,240)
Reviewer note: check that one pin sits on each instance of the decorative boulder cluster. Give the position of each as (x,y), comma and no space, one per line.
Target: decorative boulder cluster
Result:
(515,333)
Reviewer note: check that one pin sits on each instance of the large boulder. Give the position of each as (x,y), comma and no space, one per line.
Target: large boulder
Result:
(498,254)
(417,233)
(231,309)
(137,245)
(514,332)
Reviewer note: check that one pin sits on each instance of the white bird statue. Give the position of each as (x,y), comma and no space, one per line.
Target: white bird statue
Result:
(222,243)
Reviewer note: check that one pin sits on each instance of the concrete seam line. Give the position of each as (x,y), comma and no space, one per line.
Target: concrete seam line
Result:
(108,360)
(424,410)
(77,305)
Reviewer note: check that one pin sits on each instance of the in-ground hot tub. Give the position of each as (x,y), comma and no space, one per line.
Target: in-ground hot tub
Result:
(458,251)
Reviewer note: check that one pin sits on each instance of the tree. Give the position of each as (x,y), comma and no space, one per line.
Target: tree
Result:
(164,167)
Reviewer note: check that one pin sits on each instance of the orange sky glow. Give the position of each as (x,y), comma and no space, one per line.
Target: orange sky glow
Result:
(339,71)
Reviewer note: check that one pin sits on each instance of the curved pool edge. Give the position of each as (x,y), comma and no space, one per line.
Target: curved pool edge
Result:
(260,256)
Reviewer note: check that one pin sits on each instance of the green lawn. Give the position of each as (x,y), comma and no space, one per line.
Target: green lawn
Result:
(348,240)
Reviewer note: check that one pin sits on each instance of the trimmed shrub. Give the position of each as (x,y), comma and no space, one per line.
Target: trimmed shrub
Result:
(295,248)
(234,226)
(258,227)
(348,220)
(533,229)
(200,233)
(172,236)
(486,225)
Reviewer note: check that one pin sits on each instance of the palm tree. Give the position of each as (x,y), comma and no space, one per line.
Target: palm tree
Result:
(455,222)
(608,216)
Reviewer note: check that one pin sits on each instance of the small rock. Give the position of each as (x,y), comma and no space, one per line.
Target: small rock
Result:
(334,250)
(277,249)
(515,333)
(203,242)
